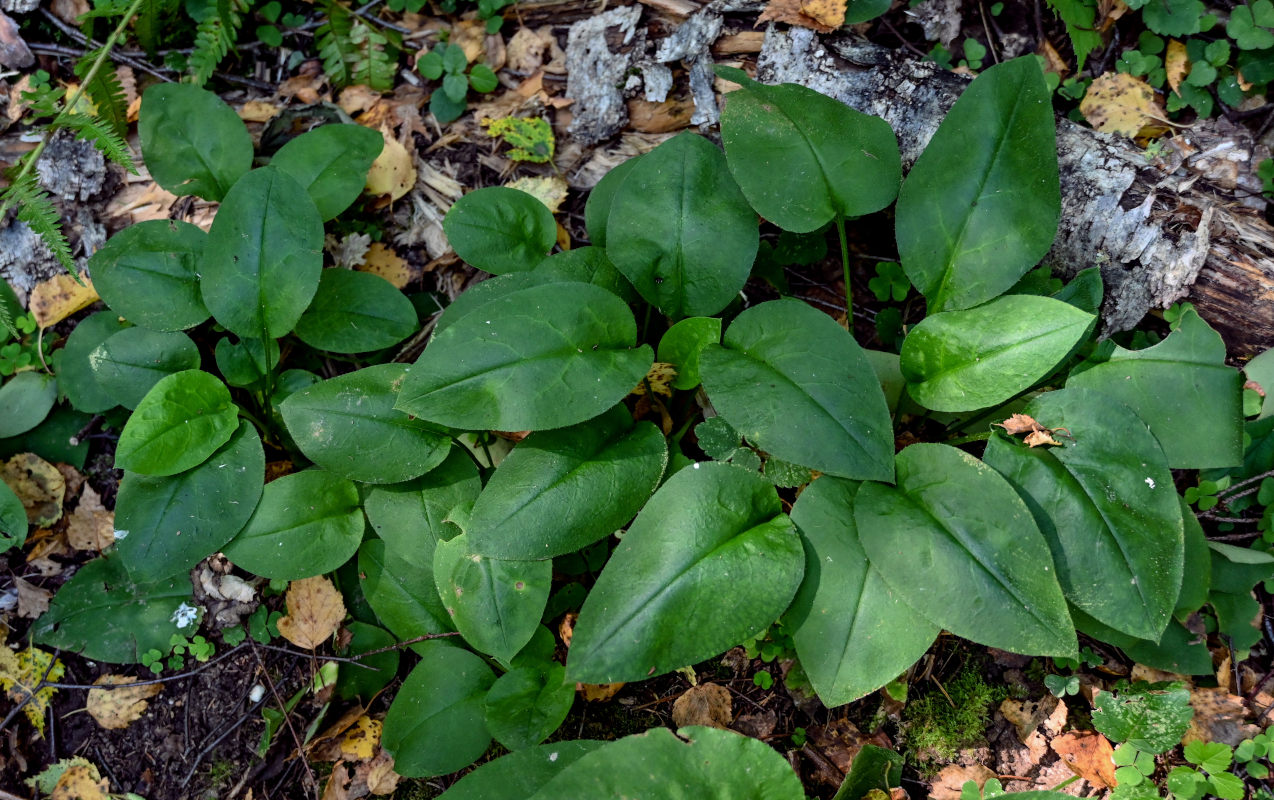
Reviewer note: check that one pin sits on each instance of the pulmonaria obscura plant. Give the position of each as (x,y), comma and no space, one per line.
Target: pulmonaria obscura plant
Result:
(1017,549)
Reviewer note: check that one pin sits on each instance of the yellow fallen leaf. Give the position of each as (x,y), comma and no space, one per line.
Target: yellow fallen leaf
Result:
(385,262)
(659,379)
(81,782)
(793,13)
(827,12)
(549,190)
(1120,103)
(361,740)
(39,486)
(598,692)
(21,672)
(315,611)
(257,111)
(393,172)
(1176,64)
(59,297)
(115,709)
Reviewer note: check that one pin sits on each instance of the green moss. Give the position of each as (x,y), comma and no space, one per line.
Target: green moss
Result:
(936,729)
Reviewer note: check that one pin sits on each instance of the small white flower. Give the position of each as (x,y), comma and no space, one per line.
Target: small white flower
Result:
(184,615)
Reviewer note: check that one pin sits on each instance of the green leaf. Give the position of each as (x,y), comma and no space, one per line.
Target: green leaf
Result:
(602,197)
(710,561)
(435,724)
(1192,362)
(966,360)
(980,207)
(1174,17)
(1186,783)
(1079,16)
(527,704)
(518,775)
(261,265)
(203,159)
(1213,757)
(542,357)
(75,374)
(401,514)
(444,108)
(482,79)
(1227,786)
(245,363)
(873,768)
(1178,650)
(1235,570)
(1152,719)
(1261,370)
(25,400)
(354,312)
(430,65)
(455,87)
(348,426)
(177,425)
(453,59)
(131,362)
(399,585)
(331,162)
(959,546)
(560,491)
(166,525)
(680,229)
(495,603)
(500,230)
(863,10)
(1107,506)
(586,265)
(146,273)
(853,635)
(1196,575)
(683,343)
(1085,291)
(699,762)
(796,385)
(13,519)
(802,158)
(102,615)
(355,682)
(306,524)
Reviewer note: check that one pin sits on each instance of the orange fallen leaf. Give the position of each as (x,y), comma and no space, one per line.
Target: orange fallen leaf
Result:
(384,261)
(1120,103)
(1018,423)
(1089,755)
(115,709)
(59,297)
(706,704)
(792,12)
(598,692)
(826,12)
(315,611)
(1176,64)
(1037,438)
(258,111)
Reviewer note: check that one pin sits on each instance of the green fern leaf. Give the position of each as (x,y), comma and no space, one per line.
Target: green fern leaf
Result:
(37,211)
(149,24)
(106,92)
(371,65)
(102,136)
(335,47)
(214,37)
(9,308)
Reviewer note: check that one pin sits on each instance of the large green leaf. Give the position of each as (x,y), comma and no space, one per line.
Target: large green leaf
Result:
(965,360)
(331,162)
(559,491)
(306,524)
(527,704)
(177,425)
(853,635)
(1177,650)
(695,762)
(75,374)
(1151,719)
(710,561)
(500,230)
(957,544)
(803,158)
(131,362)
(166,525)
(542,357)
(1196,572)
(797,385)
(261,265)
(103,615)
(680,229)
(13,519)
(520,774)
(1184,391)
(398,583)
(1106,504)
(348,425)
(402,513)
(435,724)
(682,344)
(353,680)
(980,207)
(146,272)
(597,208)
(354,312)
(495,603)
(587,265)
(192,142)
(25,400)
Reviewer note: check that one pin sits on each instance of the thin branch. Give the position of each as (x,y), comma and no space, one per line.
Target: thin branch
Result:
(407,643)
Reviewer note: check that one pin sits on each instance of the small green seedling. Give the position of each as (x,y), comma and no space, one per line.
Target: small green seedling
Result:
(448,63)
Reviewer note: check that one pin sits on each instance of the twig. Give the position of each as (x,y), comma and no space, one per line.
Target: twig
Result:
(990,38)
(407,643)
(1230,490)
(31,693)
(905,43)
(115,55)
(302,654)
(179,676)
(312,782)
(215,742)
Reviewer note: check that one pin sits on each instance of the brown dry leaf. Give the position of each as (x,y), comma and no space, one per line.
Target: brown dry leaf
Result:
(32,600)
(470,35)
(14,52)
(81,782)
(382,260)
(315,611)
(338,784)
(1176,64)
(1037,438)
(549,190)
(792,12)
(305,86)
(949,783)
(598,692)
(1218,717)
(380,776)
(706,704)
(257,111)
(1088,754)
(362,740)
(566,628)
(1053,61)
(17,106)
(393,172)
(90,526)
(69,11)
(1120,103)
(742,42)
(524,52)
(115,709)
(670,115)
(1140,672)
(354,100)
(1026,715)
(1018,423)
(39,486)
(826,12)
(59,297)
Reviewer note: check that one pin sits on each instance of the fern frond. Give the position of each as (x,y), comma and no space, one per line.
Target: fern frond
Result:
(371,66)
(214,37)
(335,47)
(106,9)
(37,211)
(106,92)
(102,136)
(149,24)
(7,313)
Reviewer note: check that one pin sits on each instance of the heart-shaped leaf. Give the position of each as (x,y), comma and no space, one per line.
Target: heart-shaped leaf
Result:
(204,159)
(526,704)
(597,208)
(131,362)
(146,272)
(683,343)
(331,162)
(181,421)
(354,312)
(500,230)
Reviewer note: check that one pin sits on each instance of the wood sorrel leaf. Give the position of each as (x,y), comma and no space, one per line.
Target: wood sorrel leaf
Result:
(348,426)
(1105,502)
(181,421)
(957,544)
(852,633)
(560,491)
(306,524)
(500,230)
(980,207)
(166,525)
(331,162)
(1169,384)
(146,273)
(796,385)
(710,561)
(680,229)
(542,357)
(803,158)
(132,361)
(261,265)
(202,158)
(966,360)
(354,312)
